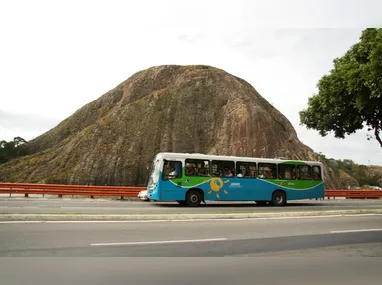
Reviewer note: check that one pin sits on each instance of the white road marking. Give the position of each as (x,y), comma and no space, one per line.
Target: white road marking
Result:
(358,215)
(217,219)
(355,231)
(80,222)
(158,242)
(274,218)
(325,216)
(106,221)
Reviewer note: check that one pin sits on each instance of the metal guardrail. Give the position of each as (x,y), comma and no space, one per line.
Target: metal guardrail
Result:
(86,190)
(354,193)
(60,190)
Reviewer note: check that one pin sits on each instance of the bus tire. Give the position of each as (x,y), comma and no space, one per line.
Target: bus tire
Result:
(278,198)
(193,198)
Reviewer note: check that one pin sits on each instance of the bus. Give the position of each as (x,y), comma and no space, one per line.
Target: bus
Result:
(192,178)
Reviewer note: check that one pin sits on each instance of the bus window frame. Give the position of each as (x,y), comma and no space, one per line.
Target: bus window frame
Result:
(298,172)
(319,172)
(179,175)
(247,164)
(224,162)
(274,170)
(195,161)
(286,165)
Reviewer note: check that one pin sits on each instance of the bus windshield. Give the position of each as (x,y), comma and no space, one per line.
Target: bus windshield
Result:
(154,171)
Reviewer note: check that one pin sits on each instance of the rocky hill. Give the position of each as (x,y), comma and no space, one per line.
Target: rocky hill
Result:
(345,180)
(166,108)
(374,173)
(346,173)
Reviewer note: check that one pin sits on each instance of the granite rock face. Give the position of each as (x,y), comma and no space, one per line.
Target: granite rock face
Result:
(166,108)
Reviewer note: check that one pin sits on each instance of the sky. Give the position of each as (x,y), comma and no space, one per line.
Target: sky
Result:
(57,56)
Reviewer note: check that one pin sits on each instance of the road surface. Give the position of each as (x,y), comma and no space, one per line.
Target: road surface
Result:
(190,271)
(104,206)
(88,252)
(187,238)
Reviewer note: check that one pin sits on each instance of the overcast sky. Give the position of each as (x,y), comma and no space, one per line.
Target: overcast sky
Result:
(56,56)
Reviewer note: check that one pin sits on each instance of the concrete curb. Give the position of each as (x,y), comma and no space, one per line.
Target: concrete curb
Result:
(183,217)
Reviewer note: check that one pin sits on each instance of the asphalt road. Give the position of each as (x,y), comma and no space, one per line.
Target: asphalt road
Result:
(223,252)
(186,239)
(102,206)
(190,271)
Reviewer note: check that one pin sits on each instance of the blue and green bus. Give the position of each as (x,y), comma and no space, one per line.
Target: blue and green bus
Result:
(193,178)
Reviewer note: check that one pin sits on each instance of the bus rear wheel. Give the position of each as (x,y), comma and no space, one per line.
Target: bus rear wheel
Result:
(193,198)
(278,198)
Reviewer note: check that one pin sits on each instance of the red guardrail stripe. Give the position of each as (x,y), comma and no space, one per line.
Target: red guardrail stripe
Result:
(60,189)
(354,193)
(130,191)
(60,186)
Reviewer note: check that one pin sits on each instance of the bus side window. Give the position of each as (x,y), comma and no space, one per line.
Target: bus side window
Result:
(267,170)
(197,167)
(304,172)
(287,171)
(222,168)
(317,172)
(246,169)
(171,169)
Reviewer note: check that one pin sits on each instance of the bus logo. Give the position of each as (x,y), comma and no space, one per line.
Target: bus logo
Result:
(216,185)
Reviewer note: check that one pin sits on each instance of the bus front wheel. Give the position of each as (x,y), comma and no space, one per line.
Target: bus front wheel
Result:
(193,198)
(278,198)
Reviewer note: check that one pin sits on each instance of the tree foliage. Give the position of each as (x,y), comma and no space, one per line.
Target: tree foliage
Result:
(12,149)
(350,96)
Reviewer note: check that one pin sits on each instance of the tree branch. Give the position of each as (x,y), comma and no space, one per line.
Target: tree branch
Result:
(376,133)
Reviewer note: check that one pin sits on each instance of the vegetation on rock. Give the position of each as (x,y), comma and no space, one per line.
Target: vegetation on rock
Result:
(348,173)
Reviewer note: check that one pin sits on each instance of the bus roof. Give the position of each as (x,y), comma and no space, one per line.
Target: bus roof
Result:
(177,155)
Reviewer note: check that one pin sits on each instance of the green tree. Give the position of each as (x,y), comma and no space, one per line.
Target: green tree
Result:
(350,96)
(11,149)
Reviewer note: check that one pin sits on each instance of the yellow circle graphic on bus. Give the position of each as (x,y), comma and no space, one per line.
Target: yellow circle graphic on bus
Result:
(216,185)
